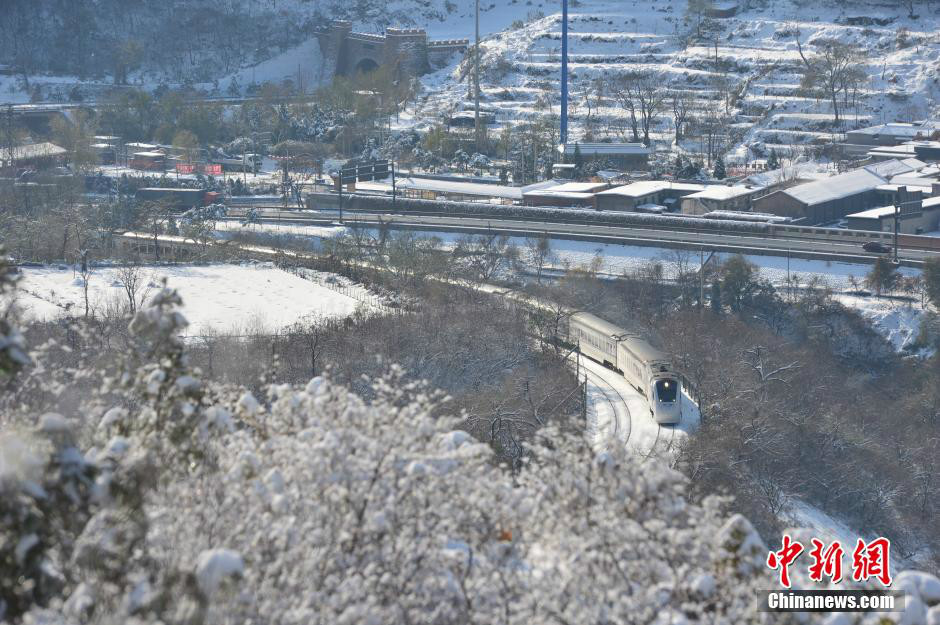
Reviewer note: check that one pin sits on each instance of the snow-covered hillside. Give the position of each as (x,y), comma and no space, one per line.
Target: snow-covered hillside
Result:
(754,55)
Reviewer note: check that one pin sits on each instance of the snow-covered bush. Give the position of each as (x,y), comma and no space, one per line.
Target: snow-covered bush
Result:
(12,348)
(199,503)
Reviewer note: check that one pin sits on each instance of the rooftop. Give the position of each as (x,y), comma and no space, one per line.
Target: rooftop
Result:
(895,167)
(447,186)
(893,187)
(723,192)
(874,213)
(37,150)
(613,149)
(893,151)
(888,211)
(836,187)
(799,171)
(901,129)
(577,187)
(647,187)
(571,195)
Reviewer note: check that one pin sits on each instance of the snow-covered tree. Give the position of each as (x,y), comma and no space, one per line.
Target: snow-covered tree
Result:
(719,171)
(165,499)
(773,162)
(251,217)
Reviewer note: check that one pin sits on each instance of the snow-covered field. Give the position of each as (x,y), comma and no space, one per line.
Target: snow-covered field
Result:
(216,297)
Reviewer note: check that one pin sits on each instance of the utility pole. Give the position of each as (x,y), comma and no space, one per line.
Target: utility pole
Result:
(701,279)
(564,72)
(9,140)
(476,82)
(394,202)
(897,229)
(341,195)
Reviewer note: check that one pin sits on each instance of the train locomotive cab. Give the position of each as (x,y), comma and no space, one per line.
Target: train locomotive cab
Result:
(665,400)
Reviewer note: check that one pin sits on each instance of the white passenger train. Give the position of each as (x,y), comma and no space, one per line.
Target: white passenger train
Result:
(646,368)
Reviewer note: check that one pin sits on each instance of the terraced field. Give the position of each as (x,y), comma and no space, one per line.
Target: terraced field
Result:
(750,60)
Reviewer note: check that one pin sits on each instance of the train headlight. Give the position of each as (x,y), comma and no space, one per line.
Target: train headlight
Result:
(666,384)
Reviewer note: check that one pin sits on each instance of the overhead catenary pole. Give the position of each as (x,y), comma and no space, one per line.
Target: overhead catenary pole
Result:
(897,228)
(701,279)
(394,199)
(564,72)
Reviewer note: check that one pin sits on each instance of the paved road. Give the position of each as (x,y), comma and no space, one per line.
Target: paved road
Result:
(792,245)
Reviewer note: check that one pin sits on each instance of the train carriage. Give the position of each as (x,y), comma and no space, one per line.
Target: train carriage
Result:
(649,371)
(646,368)
(596,338)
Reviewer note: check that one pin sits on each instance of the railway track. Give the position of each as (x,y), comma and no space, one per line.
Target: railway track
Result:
(780,242)
(607,389)
(666,442)
(622,427)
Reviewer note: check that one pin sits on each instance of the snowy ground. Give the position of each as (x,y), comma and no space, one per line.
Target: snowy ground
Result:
(897,321)
(217,297)
(303,66)
(799,514)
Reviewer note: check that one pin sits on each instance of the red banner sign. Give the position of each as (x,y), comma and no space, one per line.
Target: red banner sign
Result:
(184,168)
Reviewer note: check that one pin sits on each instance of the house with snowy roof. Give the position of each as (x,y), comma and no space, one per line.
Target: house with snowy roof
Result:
(824,200)
(626,156)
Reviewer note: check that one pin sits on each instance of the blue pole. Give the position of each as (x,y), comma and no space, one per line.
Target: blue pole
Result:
(564,71)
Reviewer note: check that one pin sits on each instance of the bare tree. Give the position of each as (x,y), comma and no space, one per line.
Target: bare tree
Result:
(712,126)
(85,272)
(642,95)
(485,255)
(133,282)
(836,70)
(540,253)
(682,107)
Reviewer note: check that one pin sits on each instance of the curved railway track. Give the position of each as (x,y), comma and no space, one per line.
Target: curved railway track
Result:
(665,442)
(601,383)
(622,426)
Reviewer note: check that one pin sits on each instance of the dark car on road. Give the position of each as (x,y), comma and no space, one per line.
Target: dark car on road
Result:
(876,247)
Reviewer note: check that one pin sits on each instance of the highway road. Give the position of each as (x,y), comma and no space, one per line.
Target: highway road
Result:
(747,243)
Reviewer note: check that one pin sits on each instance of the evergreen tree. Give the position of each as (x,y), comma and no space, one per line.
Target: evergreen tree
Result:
(772,161)
(932,280)
(883,276)
(578,158)
(739,281)
(719,171)
(680,166)
(716,297)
